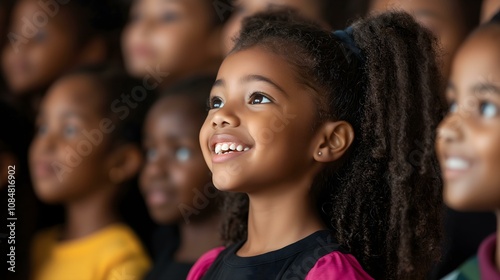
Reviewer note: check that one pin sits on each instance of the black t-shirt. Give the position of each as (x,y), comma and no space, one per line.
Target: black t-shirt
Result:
(291,262)
(166,241)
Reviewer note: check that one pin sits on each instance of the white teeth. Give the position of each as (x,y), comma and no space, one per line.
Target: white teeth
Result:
(222,148)
(457,163)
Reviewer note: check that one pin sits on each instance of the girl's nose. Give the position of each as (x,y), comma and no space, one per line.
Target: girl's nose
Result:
(225,117)
(450,129)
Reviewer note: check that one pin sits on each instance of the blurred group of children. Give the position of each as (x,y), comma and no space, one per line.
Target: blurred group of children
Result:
(102,102)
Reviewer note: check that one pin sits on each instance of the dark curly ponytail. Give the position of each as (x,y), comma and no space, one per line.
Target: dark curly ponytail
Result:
(384,202)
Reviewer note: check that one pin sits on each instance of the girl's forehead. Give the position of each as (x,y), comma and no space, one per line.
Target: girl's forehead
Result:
(74,93)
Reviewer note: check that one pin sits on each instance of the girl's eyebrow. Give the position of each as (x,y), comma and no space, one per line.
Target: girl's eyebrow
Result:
(485,88)
(71,114)
(253,78)
(259,78)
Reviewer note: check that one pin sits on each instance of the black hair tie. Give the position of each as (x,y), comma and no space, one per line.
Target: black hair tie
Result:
(347,39)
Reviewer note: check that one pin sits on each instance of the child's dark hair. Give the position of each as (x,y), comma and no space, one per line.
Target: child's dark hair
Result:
(496,18)
(383,204)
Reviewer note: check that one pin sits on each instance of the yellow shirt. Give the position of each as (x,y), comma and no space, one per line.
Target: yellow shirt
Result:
(112,253)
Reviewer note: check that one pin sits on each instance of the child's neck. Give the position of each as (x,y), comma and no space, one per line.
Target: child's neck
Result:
(275,221)
(88,215)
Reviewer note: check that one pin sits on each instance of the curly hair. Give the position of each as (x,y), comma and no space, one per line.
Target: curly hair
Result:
(384,203)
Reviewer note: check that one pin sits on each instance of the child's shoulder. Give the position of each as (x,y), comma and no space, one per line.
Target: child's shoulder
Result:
(337,265)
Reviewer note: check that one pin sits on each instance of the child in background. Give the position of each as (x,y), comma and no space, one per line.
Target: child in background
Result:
(176,182)
(85,150)
(321,130)
(329,14)
(489,9)
(468,140)
(167,41)
(45,40)
(450,20)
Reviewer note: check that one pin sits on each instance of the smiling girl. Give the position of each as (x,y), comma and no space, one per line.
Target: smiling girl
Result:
(321,132)
(468,141)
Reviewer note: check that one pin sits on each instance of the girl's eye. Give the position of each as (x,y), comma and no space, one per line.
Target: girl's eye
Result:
(183,154)
(69,131)
(453,108)
(42,129)
(169,17)
(488,110)
(216,103)
(258,98)
(40,36)
(151,154)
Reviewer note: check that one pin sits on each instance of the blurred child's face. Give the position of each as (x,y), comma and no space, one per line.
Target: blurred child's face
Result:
(246,8)
(258,132)
(67,158)
(441,17)
(42,51)
(469,137)
(489,9)
(173,35)
(175,173)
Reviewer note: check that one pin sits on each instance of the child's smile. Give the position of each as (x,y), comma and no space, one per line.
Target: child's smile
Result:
(227,146)
(258,115)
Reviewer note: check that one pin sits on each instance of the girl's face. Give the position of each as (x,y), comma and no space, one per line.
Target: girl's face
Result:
(67,156)
(246,8)
(175,172)
(489,9)
(259,130)
(171,35)
(41,52)
(468,144)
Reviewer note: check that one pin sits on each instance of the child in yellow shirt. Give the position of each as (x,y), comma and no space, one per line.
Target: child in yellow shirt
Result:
(84,151)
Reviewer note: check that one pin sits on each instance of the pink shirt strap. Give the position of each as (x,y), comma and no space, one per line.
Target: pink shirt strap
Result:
(203,264)
(337,266)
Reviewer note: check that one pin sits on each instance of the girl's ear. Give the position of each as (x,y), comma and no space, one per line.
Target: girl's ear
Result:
(124,163)
(334,139)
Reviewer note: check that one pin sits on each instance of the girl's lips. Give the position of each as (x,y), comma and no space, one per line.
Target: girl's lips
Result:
(42,169)
(219,158)
(455,166)
(157,194)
